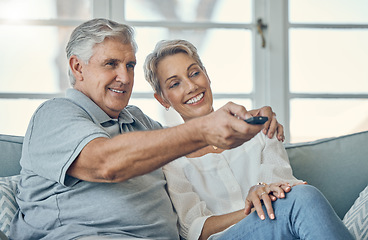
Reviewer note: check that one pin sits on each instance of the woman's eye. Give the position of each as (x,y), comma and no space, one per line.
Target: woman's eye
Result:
(175,84)
(194,74)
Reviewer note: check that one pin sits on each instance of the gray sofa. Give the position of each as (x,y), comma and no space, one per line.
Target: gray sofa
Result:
(337,166)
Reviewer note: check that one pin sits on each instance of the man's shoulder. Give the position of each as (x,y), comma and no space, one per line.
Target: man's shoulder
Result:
(133,109)
(140,116)
(58,102)
(58,107)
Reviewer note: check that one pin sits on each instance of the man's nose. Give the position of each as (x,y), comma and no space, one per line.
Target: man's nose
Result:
(122,75)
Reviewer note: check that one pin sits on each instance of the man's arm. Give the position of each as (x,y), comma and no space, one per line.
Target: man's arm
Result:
(137,153)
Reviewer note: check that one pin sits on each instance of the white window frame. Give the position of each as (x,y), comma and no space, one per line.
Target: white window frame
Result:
(271,64)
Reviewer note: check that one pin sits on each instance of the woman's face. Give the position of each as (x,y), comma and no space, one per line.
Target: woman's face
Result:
(185,86)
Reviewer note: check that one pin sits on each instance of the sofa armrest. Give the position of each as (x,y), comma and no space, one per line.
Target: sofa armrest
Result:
(11,151)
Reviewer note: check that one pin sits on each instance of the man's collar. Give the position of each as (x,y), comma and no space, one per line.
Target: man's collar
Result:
(92,108)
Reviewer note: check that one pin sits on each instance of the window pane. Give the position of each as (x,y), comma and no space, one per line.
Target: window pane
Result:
(33,59)
(328,11)
(226,54)
(15,115)
(312,119)
(45,9)
(247,103)
(328,61)
(189,10)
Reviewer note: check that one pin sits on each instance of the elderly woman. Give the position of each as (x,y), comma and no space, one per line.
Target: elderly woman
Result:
(215,191)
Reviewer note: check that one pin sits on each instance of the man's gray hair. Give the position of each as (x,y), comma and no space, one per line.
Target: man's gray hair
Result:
(88,34)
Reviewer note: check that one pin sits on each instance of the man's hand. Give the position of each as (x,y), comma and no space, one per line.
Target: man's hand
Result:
(272,126)
(226,128)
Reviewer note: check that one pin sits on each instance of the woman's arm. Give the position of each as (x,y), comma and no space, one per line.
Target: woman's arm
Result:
(196,221)
(275,165)
(215,224)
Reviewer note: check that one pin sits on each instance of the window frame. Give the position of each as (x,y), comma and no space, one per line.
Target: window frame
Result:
(272,85)
(271,64)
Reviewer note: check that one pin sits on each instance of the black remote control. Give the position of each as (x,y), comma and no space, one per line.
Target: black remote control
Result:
(256,120)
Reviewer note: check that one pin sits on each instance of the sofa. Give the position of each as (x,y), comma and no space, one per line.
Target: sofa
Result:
(337,166)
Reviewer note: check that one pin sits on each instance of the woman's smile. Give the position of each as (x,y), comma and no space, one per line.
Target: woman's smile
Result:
(195,99)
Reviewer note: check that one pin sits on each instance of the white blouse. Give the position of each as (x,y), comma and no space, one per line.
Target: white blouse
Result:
(218,183)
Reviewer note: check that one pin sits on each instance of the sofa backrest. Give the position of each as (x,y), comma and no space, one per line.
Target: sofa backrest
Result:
(338,167)
(10,153)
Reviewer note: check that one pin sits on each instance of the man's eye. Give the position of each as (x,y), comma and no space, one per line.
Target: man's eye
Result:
(130,66)
(112,64)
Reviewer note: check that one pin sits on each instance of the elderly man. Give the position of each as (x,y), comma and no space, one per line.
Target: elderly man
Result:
(91,164)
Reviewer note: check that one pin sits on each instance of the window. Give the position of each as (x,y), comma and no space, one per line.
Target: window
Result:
(217,28)
(311,70)
(328,77)
(33,64)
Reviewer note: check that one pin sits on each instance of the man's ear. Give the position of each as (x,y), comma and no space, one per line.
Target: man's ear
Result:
(162,101)
(75,65)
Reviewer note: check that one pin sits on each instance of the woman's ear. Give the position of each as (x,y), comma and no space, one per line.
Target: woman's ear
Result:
(161,100)
(76,67)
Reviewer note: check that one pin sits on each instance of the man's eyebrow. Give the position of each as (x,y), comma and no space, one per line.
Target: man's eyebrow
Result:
(111,60)
(118,60)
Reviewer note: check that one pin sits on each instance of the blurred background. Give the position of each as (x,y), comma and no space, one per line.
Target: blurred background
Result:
(305,59)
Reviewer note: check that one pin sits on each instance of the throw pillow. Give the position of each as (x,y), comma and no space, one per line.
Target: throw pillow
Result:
(8,205)
(356,219)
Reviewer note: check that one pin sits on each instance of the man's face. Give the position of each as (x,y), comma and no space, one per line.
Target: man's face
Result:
(109,76)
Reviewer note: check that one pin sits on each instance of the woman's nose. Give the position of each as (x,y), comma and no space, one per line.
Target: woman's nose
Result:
(191,86)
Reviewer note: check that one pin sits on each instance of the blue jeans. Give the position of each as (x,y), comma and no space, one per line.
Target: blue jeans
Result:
(304,214)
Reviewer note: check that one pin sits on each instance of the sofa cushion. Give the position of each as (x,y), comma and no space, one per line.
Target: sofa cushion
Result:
(8,206)
(336,166)
(356,219)
(11,150)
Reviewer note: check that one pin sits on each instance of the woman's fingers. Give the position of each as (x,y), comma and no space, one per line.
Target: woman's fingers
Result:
(268,204)
(265,194)
(258,206)
(279,189)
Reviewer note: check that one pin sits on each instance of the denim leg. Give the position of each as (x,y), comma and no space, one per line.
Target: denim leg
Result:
(303,214)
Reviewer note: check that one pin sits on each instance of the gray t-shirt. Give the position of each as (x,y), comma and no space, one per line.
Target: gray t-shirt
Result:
(54,205)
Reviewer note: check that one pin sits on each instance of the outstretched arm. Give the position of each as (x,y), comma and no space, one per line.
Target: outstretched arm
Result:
(137,153)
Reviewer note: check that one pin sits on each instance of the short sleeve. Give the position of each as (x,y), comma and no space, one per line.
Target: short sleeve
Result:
(57,133)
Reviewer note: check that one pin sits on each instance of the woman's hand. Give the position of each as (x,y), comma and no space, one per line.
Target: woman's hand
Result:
(266,194)
(272,126)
